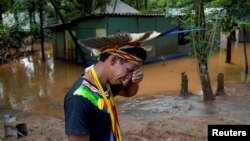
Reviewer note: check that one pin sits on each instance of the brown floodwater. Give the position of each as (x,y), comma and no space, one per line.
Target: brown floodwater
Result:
(29,84)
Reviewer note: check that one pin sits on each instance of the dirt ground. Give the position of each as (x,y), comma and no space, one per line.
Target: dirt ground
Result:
(156,118)
(171,118)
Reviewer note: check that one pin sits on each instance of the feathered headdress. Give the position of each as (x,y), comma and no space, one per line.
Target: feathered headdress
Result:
(114,44)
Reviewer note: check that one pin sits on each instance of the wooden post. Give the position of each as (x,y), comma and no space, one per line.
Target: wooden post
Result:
(220,86)
(184,85)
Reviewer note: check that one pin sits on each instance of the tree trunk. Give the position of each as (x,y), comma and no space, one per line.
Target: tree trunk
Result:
(115,4)
(1,14)
(245,50)
(15,12)
(41,29)
(145,4)
(205,82)
(71,34)
(200,19)
(137,4)
(220,86)
(228,53)
(34,18)
(230,40)
(16,17)
(30,21)
(202,51)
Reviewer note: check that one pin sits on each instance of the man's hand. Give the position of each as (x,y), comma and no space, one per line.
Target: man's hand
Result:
(137,75)
(131,85)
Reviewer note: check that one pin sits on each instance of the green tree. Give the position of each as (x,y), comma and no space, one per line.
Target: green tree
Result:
(31,6)
(5,5)
(202,40)
(236,16)
(202,48)
(243,21)
(228,22)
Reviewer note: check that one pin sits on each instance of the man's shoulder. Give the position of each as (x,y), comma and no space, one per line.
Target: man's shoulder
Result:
(86,89)
(83,90)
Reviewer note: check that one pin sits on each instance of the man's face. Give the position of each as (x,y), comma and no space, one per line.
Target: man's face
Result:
(122,71)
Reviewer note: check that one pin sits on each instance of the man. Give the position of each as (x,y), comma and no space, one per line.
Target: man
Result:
(89,107)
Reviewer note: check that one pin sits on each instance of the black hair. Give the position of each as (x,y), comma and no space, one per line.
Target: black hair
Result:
(136,51)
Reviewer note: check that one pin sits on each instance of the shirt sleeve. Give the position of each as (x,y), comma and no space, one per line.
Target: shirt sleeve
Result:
(77,116)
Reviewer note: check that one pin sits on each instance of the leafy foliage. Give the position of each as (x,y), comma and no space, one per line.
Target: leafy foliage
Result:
(6,4)
(11,37)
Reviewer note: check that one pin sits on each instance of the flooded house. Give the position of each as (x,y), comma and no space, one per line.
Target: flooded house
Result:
(121,18)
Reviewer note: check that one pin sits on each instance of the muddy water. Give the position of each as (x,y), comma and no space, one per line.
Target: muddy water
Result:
(31,85)
(164,77)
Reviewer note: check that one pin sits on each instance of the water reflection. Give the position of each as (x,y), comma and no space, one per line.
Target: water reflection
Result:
(1,90)
(245,78)
(30,84)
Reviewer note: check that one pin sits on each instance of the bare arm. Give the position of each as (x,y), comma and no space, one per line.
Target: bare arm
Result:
(78,138)
(131,86)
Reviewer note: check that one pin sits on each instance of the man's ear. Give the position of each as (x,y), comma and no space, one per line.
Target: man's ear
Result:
(113,59)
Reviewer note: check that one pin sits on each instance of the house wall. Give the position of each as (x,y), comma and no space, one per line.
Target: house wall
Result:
(121,24)
(169,44)
(70,47)
(162,46)
(59,44)
(105,25)
(133,25)
(147,24)
(93,27)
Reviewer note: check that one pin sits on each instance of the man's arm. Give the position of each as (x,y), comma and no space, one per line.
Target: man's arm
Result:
(78,138)
(131,86)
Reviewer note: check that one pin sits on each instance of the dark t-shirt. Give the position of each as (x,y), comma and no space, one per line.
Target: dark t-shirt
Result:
(82,116)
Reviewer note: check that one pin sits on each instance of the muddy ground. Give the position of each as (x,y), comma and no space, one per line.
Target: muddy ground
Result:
(156,118)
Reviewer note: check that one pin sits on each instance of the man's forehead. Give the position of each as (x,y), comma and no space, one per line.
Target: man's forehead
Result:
(132,66)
